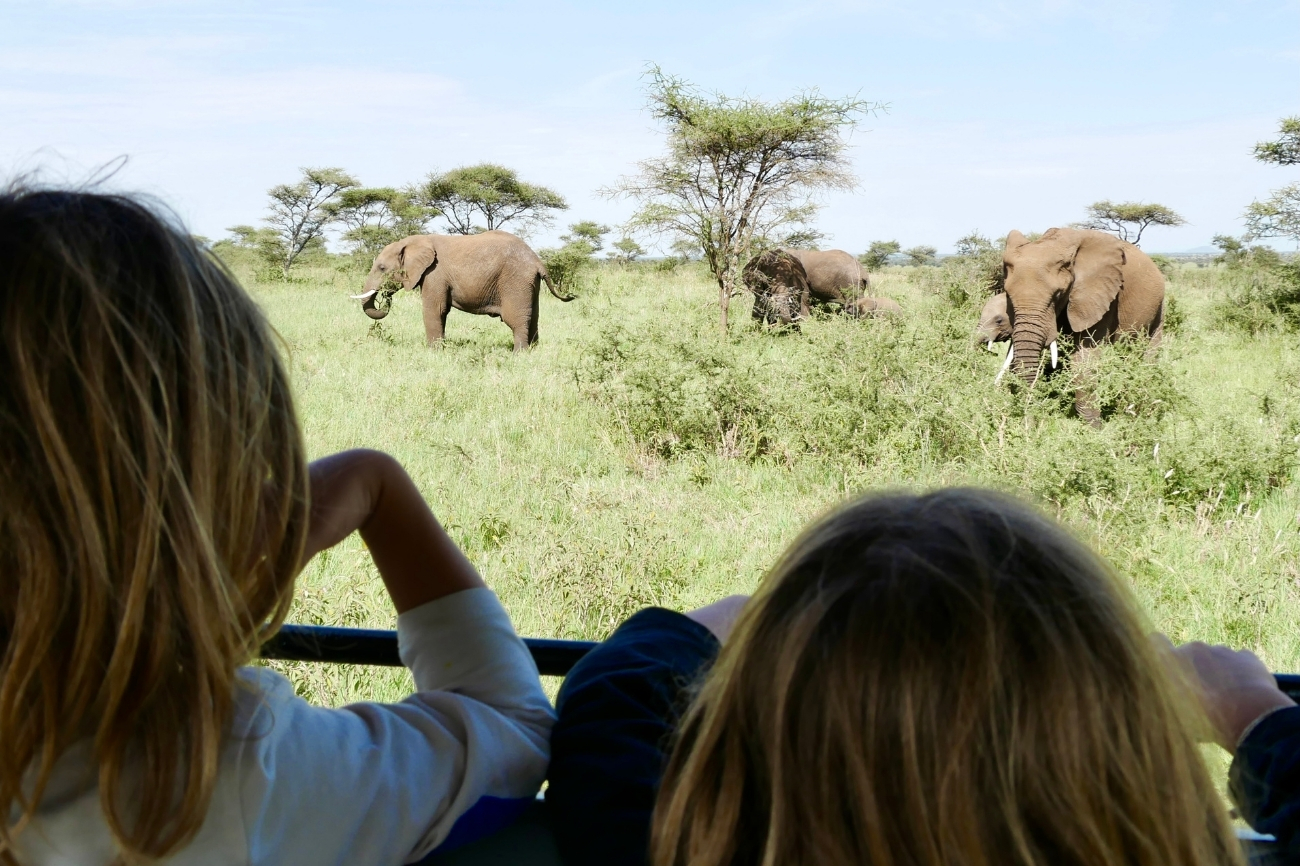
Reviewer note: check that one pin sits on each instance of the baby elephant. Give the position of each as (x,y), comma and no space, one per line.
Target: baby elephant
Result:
(874,308)
(780,287)
(994,326)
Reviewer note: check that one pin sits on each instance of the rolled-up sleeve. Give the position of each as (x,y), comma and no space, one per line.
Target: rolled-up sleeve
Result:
(388,783)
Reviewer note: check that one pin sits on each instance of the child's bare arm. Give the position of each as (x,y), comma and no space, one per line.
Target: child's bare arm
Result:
(369,491)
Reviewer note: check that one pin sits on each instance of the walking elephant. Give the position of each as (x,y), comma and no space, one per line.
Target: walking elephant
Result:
(833,275)
(780,287)
(865,307)
(490,274)
(1087,285)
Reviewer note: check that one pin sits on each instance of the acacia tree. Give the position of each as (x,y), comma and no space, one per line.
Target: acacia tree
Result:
(485,197)
(1279,214)
(374,217)
(739,173)
(1127,220)
(921,255)
(877,255)
(299,213)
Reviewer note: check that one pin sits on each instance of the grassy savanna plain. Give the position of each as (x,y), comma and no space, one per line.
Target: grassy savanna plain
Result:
(636,457)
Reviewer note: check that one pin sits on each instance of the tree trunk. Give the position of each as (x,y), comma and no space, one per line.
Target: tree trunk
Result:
(724,301)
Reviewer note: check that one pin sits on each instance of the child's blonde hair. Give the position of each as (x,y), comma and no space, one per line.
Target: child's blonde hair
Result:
(935,680)
(153,508)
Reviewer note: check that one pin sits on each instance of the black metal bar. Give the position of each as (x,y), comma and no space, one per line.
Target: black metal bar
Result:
(370,646)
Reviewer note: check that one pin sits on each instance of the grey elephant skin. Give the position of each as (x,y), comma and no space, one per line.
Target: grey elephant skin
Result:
(780,287)
(489,274)
(994,325)
(872,308)
(1085,284)
(832,274)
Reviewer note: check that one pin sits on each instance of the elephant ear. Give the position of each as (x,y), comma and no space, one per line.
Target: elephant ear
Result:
(1098,277)
(417,256)
(1015,240)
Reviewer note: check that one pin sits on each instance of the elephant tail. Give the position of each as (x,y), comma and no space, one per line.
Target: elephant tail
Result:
(547,277)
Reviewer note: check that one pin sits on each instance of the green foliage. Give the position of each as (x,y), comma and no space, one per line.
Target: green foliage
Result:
(626,250)
(1284,151)
(1127,220)
(591,232)
(877,255)
(1263,291)
(1277,216)
(485,197)
(966,279)
(739,173)
(299,213)
(577,516)
(920,255)
(1165,264)
(374,217)
(264,246)
(567,263)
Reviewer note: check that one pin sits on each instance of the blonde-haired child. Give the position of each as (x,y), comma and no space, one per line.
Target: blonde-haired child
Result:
(929,680)
(155,507)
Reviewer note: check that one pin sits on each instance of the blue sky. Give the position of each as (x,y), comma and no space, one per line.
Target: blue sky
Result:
(1002,114)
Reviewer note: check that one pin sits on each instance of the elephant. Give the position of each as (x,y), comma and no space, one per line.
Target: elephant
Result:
(864,307)
(994,326)
(831,273)
(780,287)
(1084,284)
(490,274)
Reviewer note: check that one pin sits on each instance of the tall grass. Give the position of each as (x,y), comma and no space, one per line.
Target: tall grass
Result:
(636,457)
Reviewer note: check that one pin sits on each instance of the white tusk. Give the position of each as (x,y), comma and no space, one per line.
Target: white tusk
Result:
(1053,354)
(1011,350)
(364,295)
(990,345)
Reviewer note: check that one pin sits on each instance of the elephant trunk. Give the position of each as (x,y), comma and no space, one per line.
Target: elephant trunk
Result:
(369,295)
(1028,337)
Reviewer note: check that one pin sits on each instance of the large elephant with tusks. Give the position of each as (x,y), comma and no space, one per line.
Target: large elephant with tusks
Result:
(1087,285)
(490,274)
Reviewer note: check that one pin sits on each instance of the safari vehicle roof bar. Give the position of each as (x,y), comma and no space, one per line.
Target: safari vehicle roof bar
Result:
(378,647)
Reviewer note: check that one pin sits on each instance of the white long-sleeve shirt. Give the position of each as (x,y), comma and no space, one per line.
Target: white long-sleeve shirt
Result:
(366,784)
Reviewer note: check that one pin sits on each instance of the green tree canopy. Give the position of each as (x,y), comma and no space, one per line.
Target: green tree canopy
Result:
(739,172)
(877,255)
(921,255)
(374,217)
(1286,150)
(588,230)
(299,213)
(1277,216)
(1127,220)
(485,197)
(975,244)
(626,250)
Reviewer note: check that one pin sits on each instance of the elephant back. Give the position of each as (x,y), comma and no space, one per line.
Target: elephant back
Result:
(832,274)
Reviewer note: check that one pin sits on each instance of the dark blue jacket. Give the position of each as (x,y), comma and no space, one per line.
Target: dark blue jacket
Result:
(617,710)
(619,705)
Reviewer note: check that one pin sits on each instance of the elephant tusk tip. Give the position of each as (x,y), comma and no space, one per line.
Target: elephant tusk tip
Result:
(364,295)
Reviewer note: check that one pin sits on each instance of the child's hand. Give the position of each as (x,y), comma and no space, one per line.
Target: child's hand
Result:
(1235,688)
(370,492)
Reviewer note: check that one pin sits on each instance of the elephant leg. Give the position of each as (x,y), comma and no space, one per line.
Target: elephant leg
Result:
(1085,402)
(519,311)
(436,305)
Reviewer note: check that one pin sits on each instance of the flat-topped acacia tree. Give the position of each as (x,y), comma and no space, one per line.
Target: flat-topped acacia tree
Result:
(740,173)
(1128,219)
(484,197)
